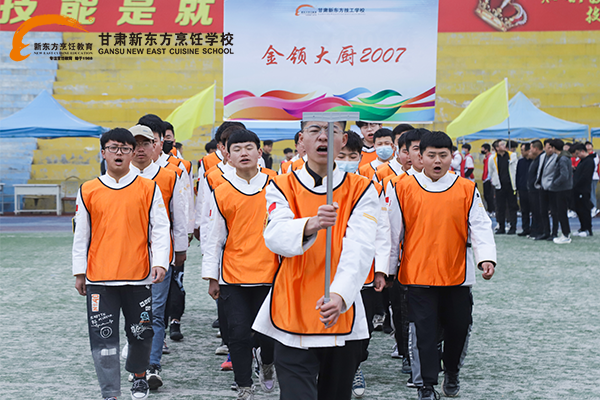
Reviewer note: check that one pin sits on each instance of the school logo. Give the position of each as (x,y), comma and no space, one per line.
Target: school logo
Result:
(95,302)
(34,22)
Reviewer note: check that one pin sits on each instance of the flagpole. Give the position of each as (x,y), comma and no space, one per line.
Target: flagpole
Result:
(508,118)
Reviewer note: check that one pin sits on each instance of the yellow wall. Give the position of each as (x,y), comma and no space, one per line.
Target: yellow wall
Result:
(558,71)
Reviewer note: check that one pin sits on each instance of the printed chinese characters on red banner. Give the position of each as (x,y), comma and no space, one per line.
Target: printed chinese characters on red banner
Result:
(518,15)
(198,16)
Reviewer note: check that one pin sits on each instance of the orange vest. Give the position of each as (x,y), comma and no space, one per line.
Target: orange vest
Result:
(367,171)
(285,165)
(371,276)
(176,161)
(383,171)
(246,258)
(210,161)
(299,282)
(214,178)
(175,168)
(436,229)
(120,220)
(166,179)
(298,164)
(272,174)
(367,157)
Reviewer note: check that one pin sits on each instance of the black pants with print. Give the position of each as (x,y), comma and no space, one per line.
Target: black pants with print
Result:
(103,306)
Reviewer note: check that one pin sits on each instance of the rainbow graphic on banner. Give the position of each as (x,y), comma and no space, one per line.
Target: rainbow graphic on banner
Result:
(282,105)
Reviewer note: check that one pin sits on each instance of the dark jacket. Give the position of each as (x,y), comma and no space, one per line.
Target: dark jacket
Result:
(523,173)
(582,177)
(532,173)
(563,173)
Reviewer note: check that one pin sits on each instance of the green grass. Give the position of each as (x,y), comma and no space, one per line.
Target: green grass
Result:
(536,332)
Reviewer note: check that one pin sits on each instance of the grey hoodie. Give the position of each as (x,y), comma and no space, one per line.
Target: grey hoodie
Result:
(563,173)
(545,177)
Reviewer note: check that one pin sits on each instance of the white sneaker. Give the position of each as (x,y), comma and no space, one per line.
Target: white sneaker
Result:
(571,214)
(395,353)
(562,239)
(266,373)
(595,212)
(222,350)
(245,393)
(581,234)
(124,353)
(140,389)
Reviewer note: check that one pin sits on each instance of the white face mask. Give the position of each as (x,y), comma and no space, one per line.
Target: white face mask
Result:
(347,166)
(384,152)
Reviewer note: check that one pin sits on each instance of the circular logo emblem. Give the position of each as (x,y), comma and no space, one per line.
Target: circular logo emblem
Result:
(105,332)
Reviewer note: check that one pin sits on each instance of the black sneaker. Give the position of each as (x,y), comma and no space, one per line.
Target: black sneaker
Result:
(450,384)
(140,388)
(427,393)
(410,382)
(542,237)
(153,377)
(511,232)
(524,233)
(406,369)
(500,231)
(175,331)
(216,325)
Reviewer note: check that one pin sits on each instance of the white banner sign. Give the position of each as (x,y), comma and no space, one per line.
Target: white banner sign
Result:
(373,57)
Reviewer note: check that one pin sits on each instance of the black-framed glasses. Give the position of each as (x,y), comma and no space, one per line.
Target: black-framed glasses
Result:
(115,149)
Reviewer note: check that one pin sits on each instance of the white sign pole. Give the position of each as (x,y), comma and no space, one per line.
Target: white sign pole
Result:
(330,118)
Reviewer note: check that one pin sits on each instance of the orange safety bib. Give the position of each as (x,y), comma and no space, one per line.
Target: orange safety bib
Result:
(299,282)
(210,161)
(246,258)
(166,179)
(298,164)
(367,171)
(285,165)
(436,229)
(383,171)
(120,220)
(176,161)
(367,157)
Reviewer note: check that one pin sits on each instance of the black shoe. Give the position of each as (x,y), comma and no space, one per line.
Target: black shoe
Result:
(175,331)
(140,388)
(542,237)
(387,327)
(511,232)
(153,376)
(551,238)
(215,323)
(406,369)
(410,383)
(427,393)
(524,233)
(500,231)
(450,384)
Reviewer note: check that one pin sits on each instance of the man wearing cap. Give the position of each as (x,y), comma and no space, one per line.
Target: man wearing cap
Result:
(172,193)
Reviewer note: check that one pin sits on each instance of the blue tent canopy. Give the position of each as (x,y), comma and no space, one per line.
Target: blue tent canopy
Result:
(272,130)
(595,132)
(44,117)
(529,122)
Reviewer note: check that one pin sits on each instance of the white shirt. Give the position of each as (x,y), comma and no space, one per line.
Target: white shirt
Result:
(456,161)
(469,164)
(176,206)
(217,225)
(185,179)
(481,235)
(284,236)
(396,166)
(160,242)
(205,206)
(382,240)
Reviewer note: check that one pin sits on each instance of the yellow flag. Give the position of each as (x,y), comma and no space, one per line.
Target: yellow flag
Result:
(195,111)
(488,109)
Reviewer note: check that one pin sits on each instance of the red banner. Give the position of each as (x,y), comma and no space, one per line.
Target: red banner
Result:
(198,16)
(518,15)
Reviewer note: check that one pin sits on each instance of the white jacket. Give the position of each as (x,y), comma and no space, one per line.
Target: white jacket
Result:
(512,169)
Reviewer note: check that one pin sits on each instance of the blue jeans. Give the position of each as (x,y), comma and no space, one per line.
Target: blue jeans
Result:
(160,293)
